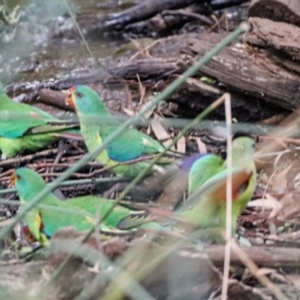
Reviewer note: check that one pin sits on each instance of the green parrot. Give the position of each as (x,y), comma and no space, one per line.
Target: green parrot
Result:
(205,207)
(210,171)
(131,145)
(32,129)
(80,213)
(207,180)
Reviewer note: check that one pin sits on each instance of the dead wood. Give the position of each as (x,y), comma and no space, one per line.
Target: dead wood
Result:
(183,274)
(188,275)
(276,10)
(176,54)
(147,68)
(263,256)
(252,73)
(262,81)
(54,98)
(275,35)
(165,21)
(143,10)
(158,18)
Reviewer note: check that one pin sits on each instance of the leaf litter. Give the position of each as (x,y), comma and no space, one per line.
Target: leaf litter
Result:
(279,205)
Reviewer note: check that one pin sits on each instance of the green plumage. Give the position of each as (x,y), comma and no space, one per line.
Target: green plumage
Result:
(210,208)
(80,213)
(100,207)
(131,145)
(205,207)
(202,170)
(23,126)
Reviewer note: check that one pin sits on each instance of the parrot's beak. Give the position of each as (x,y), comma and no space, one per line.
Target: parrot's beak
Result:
(12,180)
(70,96)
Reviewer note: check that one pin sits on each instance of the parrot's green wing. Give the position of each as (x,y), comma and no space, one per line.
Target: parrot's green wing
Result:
(29,184)
(203,208)
(70,217)
(131,145)
(100,207)
(116,215)
(18,118)
(80,213)
(202,170)
(23,126)
(215,187)
(207,203)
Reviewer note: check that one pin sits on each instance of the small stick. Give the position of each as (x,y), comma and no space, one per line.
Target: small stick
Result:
(54,98)
(228,198)
(252,267)
(18,160)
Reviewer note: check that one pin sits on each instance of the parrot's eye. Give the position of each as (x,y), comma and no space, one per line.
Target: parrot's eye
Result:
(79,95)
(18,177)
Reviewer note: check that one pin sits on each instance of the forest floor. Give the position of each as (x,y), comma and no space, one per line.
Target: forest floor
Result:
(259,70)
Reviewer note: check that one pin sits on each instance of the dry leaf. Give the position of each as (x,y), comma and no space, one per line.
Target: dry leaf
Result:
(149,112)
(294,279)
(279,183)
(201,145)
(270,203)
(263,177)
(160,132)
(297,181)
(265,271)
(129,112)
(276,160)
(290,206)
(286,208)
(181,145)
(142,90)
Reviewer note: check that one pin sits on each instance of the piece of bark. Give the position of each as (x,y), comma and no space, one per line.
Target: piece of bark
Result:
(183,276)
(262,256)
(237,69)
(194,96)
(164,22)
(147,68)
(287,11)
(275,35)
(143,10)
(54,98)
(255,75)
(221,4)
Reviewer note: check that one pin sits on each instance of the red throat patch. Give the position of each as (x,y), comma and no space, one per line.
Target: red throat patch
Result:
(239,190)
(12,179)
(70,99)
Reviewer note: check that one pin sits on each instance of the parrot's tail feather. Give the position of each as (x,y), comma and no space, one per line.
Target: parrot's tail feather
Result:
(50,128)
